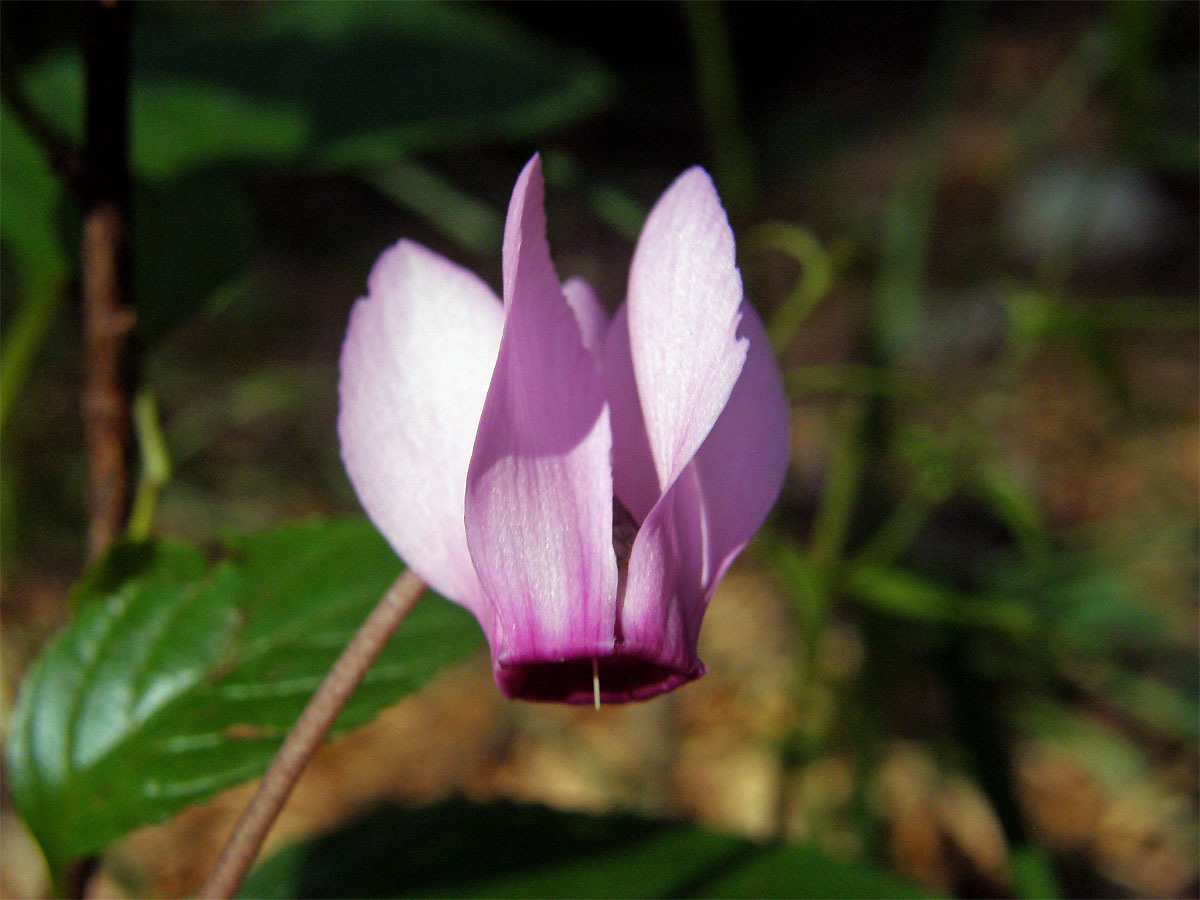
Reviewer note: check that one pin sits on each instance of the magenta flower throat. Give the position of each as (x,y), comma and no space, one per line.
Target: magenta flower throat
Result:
(579,484)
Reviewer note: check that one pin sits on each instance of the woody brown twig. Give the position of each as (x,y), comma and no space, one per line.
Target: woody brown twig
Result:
(108,314)
(108,317)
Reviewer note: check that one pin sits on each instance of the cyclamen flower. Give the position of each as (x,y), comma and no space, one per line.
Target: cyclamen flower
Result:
(579,484)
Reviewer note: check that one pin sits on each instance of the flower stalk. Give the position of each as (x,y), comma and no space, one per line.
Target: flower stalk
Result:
(307,733)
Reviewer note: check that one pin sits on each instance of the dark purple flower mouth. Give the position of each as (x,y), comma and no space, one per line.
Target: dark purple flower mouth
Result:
(621,678)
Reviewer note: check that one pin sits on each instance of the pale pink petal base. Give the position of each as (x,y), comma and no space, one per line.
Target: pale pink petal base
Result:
(589,314)
(665,594)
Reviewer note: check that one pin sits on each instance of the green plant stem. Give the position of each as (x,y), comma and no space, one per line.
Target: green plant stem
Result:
(831,529)
(817,267)
(1063,95)
(156,465)
(466,220)
(712,58)
(306,736)
(908,220)
(904,523)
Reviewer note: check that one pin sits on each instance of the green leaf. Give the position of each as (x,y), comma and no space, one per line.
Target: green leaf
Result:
(32,199)
(182,678)
(456,849)
(899,592)
(1170,709)
(1033,874)
(120,664)
(32,194)
(219,84)
(136,562)
(1086,604)
(191,236)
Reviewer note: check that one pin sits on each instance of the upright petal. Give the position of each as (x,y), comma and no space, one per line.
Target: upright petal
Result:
(415,367)
(539,487)
(685,295)
(694,531)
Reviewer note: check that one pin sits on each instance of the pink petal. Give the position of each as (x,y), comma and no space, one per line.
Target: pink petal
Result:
(415,367)
(696,529)
(589,314)
(685,295)
(635,480)
(742,463)
(665,595)
(539,487)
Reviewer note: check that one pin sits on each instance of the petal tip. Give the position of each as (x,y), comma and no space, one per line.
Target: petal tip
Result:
(530,180)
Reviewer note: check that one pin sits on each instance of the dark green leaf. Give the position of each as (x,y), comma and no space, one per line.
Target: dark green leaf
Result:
(156,562)
(32,194)
(341,84)
(182,679)
(32,197)
(504,850)
(191,236)
(118,666)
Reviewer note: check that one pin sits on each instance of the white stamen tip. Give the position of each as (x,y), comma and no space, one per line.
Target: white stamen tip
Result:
(596,681)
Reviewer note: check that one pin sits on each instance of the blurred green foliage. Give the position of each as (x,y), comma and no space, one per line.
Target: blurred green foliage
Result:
(216,89)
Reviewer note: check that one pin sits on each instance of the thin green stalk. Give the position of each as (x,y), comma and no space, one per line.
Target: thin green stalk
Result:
(903,524)
(1063,96)
(466,220)
(712,58)
(907,224)
(155,465)
(816,276)
(608,203)
(831,530)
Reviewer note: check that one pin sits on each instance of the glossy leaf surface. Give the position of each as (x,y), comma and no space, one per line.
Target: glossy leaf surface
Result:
(179,679)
